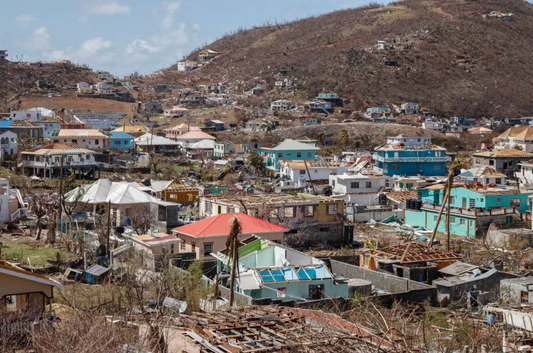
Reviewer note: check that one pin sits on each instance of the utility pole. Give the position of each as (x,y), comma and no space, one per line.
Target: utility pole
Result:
(108,225)
(61,196)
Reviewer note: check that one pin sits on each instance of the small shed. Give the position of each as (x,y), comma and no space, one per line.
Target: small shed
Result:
(96,274)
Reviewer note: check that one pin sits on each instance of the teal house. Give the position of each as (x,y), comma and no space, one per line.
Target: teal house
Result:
(269,270)
(121,141)
(472,209)
(411,156)
(287,150)
(330,97)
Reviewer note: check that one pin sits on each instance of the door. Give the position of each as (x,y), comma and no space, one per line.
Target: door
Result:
(464,202)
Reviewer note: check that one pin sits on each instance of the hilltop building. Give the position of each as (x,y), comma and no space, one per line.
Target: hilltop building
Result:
(286,150)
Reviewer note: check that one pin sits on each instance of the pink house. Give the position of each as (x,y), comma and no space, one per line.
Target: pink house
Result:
(209,235)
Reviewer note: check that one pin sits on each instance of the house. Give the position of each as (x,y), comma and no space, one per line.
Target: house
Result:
(412,260)
(104,76)
(25,130)
(506,161)
(84,88)
(98,119)
(207,55)
(287,150)
(14,208)
(516,137)
(50,125)
(84,138)
(291,211)
(156,249)
(186,65)
(480,130)
(330,97)
(180,129)
(222,164)
(176,112)
(209,235)
(377,113)
(8,144)
(150,143)
(153,107)
(257,90)
(29,115)
(296,170)
(319,106)
(223,149)
(125,199)
(517,290)
(282,105)
(121,141)
(286,82)
(406,183)
(411,156)
(483,175)
(201,150)
(410,108)
(357,186)
(214,125)
(472,209)
(102,88)
(133,130)
(270,270)
(175,191)
(432,124)
(60,159)
(45,113)
(193,137)
(3,54)
(381,45)
(96,274)
(24,291)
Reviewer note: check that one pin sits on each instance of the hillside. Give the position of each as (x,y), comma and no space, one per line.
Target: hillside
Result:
(454,62)
(58,103)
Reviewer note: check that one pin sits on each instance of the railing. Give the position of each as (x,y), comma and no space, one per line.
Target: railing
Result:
(19,213)
(27,163)
(411,159)
(495,211)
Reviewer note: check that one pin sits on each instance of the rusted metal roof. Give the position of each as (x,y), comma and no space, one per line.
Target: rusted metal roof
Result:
(411,252)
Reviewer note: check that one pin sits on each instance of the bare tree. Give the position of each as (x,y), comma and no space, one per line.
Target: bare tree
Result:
(142,218)
(41,207)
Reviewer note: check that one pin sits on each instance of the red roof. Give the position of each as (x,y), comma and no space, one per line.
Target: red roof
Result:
(220,225)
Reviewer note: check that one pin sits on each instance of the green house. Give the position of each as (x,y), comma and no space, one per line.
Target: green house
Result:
(287,150)
(269,270)
(472,209)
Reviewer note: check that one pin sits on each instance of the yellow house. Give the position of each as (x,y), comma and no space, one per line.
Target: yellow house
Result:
(180,193)
(23,291)
(133,130)
(103,88)
(84,88)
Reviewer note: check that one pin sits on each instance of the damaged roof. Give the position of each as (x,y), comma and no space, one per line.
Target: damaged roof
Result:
(411,252)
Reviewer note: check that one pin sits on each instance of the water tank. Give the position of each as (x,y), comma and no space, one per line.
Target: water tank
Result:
(359,286)
(409,204)
(418,205)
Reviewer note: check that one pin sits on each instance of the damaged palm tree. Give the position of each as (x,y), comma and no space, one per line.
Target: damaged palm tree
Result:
(232,251)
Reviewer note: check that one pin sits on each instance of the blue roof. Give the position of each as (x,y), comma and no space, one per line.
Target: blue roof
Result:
(6,123)
(121,135)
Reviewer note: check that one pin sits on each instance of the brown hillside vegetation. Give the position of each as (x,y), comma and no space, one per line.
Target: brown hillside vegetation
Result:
(58,103)
(455,62)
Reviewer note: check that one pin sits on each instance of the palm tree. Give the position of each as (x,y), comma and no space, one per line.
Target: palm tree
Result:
(255,160)
(320,138)
(343,138)
(232,251)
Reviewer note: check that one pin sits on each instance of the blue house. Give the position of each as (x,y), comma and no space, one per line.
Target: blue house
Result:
(287,150)
(330,97)
(411,156)
(121,141)
(472,209)
(319,106)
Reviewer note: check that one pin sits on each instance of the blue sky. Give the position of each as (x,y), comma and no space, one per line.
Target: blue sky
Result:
(124,36)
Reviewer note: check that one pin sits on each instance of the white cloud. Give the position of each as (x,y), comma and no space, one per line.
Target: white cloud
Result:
(25,19)
(91,51)
(103,8)
(168,10)
(139,45)
(157,43)
(39,40)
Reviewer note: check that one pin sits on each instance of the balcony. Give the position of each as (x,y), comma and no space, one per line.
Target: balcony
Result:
(66,164)
(495,211)
(411,159)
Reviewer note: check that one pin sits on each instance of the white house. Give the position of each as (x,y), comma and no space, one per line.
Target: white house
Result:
(50,125)
(30,115)
(45,113)
(525,175)
(484,175)
(187,65)
(176,112)
(359,188)
(8,144)
(521,136)
(432,124)
(296,169)
(282,105)
(408,141)
(12,206)
(410,108)
(84,88)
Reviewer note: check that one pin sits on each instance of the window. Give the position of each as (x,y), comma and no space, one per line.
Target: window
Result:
(395,167)
(331,208)
(435,218)
(289,212)
(193,246)
(281,295)
(499,199)
(74,141)
(308,154)
(437,166)
(117,142)
(452,199)
(452,220)
(498,180)
(515,202)
(491,162)
(368,184)
(309,211)
(481,200)
(302,171)
(472,202)
(355,185)
(299,154)
(462,222)
(316,291)
(96,142)
(333,182)
(208,249)
(208,207)
(183,246)
(280,155)
(316,170)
